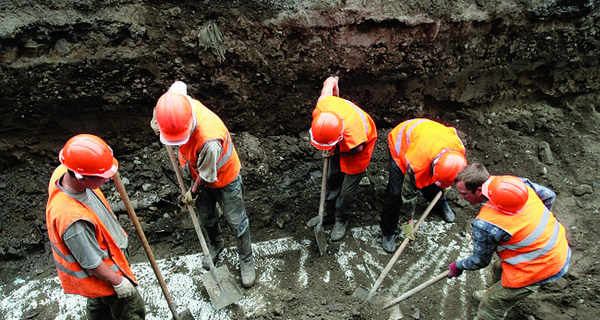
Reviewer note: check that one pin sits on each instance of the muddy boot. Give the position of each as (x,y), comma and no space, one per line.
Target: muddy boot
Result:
(246,260)
(339,230)
(388,243)
(446,212)
(215,246)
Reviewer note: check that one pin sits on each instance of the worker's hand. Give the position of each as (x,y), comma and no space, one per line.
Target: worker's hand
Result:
(327,153)
(124,289)
(189,198)
(409,230)
(454,270)
(154,124)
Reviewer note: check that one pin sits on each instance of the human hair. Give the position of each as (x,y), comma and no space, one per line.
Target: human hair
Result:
(473,175)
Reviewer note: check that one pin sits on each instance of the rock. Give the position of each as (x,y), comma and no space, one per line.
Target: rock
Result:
(557,286)
(582,190)
(365,182)
(545,153)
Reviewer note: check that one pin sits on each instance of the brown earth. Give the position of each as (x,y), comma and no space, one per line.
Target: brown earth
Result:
(518,79)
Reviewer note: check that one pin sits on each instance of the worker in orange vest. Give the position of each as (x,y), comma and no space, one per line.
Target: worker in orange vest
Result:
(425,157)
(347,134)
(515,221)
(88,243)
(206,147)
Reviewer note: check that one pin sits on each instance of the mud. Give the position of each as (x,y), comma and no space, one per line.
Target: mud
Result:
(519,80)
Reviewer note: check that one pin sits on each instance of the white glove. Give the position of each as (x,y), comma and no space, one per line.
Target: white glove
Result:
(179,87)
(188,198)
(125,289)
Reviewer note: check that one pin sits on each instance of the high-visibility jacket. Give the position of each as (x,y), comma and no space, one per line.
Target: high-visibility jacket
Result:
(61,212)
(210,127)
(358,128)
(538,246)
(418,142)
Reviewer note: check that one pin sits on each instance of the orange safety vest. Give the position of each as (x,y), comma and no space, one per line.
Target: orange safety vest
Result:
(61,212)
(210,127)
(358,128)
(417,142)
(538,246)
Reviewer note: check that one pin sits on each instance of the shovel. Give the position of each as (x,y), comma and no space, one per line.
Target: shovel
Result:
(368,295)
(418,289)
(186,315)
(319,232)
(219,283)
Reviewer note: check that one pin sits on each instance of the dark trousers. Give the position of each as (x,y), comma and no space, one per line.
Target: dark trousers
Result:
(392,203)
(341,190)
(113,308)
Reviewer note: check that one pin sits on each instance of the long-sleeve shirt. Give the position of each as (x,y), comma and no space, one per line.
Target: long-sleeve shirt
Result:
(409,193)
(487,236)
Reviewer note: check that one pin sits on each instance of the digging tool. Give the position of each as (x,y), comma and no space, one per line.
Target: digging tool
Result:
(418,289)
(219,283)
(185,315)
(364,293)
(319,232)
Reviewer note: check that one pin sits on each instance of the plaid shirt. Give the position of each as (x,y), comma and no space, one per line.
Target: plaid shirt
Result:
(487,236)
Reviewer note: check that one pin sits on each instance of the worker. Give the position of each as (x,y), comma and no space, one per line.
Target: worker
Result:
(517,223)
(89,245)
(206,147)
(347,135)
(425,157)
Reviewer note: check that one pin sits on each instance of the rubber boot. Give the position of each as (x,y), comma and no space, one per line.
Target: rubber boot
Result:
(388,243)
(215,245)
(246,260)
(447,213)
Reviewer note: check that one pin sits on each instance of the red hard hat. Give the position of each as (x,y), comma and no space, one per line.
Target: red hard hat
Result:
(326,130)
(89,155)
(447,167)
(507,193)
(175,118)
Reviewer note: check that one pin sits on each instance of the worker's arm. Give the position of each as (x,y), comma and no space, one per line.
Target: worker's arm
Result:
(546,195)
(409,193)
(486,238)
(330,88)
(207,161)
(356,150)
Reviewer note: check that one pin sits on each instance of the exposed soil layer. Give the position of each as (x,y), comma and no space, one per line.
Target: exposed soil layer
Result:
(518,79)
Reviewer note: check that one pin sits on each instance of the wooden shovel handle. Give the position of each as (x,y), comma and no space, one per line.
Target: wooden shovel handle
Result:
(403,245)
(142,236)
(417,289)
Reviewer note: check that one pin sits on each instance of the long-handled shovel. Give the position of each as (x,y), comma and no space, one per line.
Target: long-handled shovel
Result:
(319,232)
(185,315)
(364,293)
(220,285)
(418,289)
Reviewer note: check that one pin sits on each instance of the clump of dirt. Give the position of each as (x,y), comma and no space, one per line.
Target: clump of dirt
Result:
(519,81)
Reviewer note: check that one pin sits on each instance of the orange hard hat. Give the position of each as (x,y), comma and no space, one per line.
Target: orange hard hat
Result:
(447,167)
(175,118)
(88,155)
(326,130)
(507,193)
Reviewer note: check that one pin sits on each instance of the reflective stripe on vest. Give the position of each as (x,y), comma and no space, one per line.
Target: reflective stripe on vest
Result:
(362,116)
(70,259)
(399,145)
(225,157)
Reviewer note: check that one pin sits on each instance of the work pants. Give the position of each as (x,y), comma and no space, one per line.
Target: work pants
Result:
(498,300)
(392,203)
(231,201)
(341,190)
(113,308)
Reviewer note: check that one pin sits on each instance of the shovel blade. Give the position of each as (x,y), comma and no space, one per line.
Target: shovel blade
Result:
(186,315)
(223,291)
(321,239)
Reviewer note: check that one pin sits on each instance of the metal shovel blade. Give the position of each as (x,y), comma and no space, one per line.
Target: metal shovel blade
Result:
(321,239)
(224,295)
(376,298)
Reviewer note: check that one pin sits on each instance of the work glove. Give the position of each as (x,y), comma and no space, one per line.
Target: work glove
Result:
(454,270)
(125,289)
(409,230)
(189,198)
